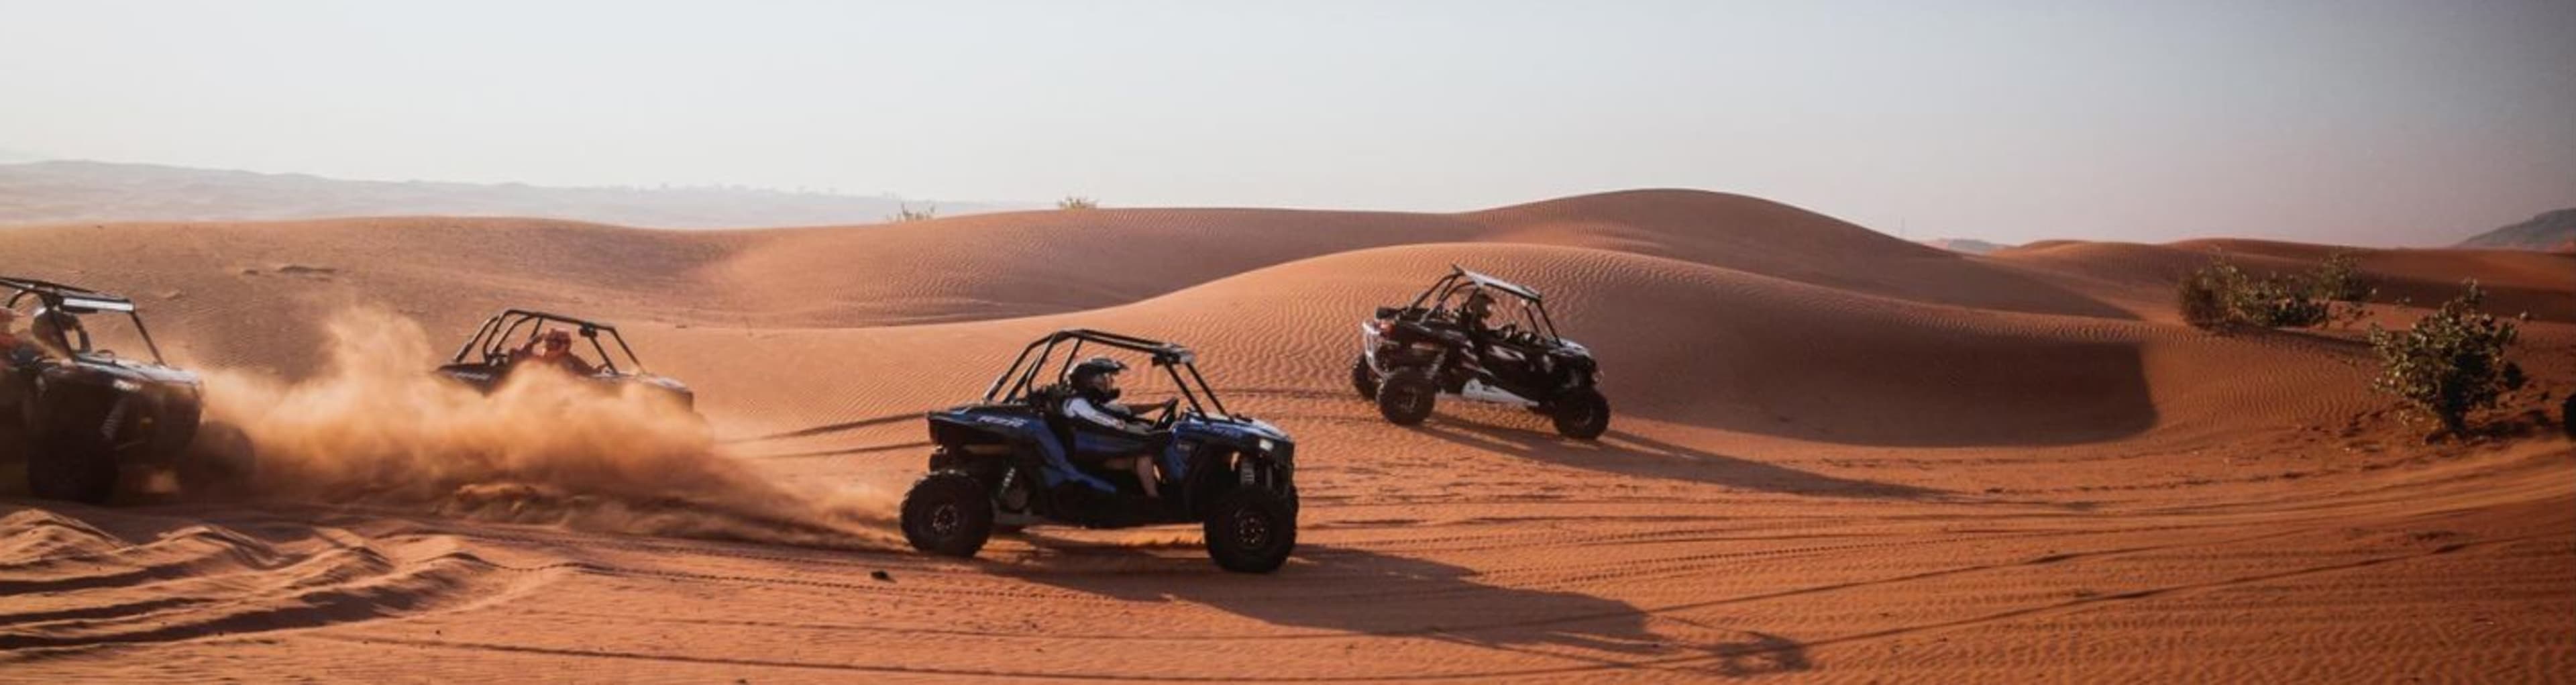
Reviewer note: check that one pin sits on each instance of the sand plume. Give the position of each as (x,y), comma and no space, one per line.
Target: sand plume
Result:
(374,427)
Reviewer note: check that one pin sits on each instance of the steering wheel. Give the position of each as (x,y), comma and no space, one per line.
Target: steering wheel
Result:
(1171,413)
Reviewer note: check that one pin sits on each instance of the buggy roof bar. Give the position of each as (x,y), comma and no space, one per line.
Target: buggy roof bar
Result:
(1164,352)
(1496,283)
(62,290)
(492,329)
(75,298)
(531,313)
(1172,357)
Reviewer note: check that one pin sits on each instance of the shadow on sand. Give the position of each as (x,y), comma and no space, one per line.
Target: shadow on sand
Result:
(1630,454)
(1363,593)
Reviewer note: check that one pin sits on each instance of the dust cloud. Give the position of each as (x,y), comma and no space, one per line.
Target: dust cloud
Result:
(376,428)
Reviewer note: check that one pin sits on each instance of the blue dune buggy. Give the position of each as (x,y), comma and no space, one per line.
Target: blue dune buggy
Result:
(1006,460)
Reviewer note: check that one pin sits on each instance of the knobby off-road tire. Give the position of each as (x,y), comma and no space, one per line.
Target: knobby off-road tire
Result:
(1583,414)
(1251,530)
(948,513)
(219,461)
(1363,378)
(1407,397)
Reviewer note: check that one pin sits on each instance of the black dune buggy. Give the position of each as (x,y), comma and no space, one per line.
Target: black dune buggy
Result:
(493,354)
(1011,459)
(1411,355)
(80,414)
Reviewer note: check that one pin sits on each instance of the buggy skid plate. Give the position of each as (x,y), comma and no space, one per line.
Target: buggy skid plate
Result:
(1478,391)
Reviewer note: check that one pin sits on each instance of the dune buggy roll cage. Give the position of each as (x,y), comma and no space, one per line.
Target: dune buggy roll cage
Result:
(1171,358)
(72,299)
(498,330)
(1460,279)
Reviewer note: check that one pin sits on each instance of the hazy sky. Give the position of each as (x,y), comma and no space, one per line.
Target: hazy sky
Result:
(2409,122)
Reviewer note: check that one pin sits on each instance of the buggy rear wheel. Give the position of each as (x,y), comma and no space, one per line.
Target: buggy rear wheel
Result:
(1407,396)
(71,468)
(1363,378)
(948,513)
(218,460)
(1251,530)
(1583,414)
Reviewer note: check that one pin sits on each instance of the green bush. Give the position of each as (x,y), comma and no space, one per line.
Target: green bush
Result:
(2451,362)
(2220,295)
(2339,279)
(2204,296)
(1077,202)
(2280,302)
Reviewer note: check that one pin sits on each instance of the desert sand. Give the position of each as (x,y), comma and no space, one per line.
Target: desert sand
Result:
(1838,457)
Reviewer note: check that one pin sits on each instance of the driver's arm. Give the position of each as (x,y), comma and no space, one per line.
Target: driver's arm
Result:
(1083,409)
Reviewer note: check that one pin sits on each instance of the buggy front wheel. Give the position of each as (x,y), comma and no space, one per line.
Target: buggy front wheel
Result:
(218,460)
(1407,396)
(1363,378)
(1251,530)
(947,513)
(1582,414)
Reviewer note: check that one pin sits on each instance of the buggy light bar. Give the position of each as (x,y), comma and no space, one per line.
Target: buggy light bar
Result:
(84,303)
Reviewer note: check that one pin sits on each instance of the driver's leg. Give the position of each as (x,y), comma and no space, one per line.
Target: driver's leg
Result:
(1145,474)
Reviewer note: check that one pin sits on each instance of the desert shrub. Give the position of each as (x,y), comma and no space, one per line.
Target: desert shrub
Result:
(905,212)
(1077,202)
(2339,279)
(2204,296)
(2220,295)
(2280,302)
(2451,362)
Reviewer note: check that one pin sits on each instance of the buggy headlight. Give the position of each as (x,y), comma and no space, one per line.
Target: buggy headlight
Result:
(1265,444)
(123,385)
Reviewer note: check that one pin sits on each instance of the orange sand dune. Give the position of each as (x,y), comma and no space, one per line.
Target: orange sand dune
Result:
(1837,456)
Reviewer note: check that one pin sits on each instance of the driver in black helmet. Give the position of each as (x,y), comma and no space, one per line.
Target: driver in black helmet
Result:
(1104,428)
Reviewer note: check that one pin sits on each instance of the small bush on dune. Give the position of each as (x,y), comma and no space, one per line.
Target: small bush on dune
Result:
(2339,279)
(1077,202)
(2280,302)
(2205,294)
(2451,362)
(2221,295)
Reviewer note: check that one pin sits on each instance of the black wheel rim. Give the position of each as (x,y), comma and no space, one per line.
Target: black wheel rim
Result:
(1251,530)
(944,520)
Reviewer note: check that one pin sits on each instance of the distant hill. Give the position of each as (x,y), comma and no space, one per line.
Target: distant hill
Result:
(56,192)
(2551,231)
(1966,245)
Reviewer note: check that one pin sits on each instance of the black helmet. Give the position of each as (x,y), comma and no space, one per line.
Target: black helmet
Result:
(1095,367)
(1087,369)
